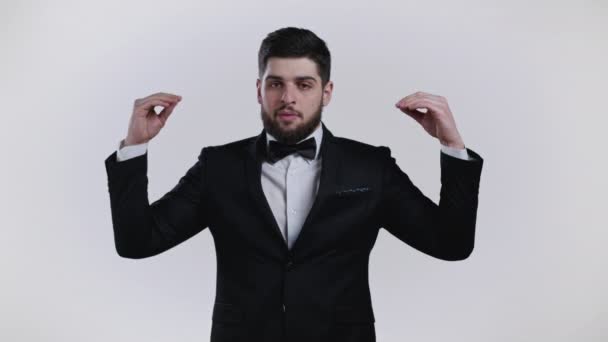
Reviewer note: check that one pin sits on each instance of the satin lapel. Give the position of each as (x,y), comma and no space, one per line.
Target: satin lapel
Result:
(330,161)
(255,157)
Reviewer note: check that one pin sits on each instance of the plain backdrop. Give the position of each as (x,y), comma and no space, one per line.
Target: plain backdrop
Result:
(526,82)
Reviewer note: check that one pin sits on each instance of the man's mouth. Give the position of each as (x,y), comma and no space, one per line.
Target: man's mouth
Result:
(286,115)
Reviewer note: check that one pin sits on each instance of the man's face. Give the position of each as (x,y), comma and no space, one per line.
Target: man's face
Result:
(291,98)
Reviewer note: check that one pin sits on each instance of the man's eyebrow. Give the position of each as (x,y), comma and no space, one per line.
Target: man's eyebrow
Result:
(298,78)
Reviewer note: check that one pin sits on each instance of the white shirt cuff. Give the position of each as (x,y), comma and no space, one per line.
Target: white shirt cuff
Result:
(460,153)
(131,151)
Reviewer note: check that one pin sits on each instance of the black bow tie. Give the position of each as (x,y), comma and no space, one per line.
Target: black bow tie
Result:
(277,150)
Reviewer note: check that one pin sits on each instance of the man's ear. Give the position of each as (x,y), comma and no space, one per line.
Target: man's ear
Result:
(258,86)
(327,91)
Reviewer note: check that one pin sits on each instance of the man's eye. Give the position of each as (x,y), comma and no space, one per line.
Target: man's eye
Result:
(305,86)
(274,83)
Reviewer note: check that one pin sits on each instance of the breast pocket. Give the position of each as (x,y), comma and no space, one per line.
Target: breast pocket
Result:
(354,200)
(350,191)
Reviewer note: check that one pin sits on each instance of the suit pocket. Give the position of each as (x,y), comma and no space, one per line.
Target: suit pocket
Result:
(352,191)
(351,200)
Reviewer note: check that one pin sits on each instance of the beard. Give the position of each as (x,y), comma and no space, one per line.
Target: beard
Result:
(291,135)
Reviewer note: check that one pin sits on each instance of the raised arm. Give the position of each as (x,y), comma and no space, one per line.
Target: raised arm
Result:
(142,229)
(445,231)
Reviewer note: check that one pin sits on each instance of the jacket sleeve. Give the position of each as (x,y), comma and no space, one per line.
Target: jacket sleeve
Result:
(445,231)
(141,229)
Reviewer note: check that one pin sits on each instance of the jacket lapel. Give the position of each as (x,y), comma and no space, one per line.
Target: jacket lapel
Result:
(256,152)
(255,157)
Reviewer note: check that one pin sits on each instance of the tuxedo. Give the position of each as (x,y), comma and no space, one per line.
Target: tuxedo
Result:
(317,289)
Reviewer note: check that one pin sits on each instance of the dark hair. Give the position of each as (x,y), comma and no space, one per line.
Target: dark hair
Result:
(295,42)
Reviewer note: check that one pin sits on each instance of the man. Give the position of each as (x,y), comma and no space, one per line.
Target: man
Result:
(294,225)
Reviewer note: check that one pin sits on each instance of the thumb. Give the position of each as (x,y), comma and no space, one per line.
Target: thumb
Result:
(164,115)
(415,114)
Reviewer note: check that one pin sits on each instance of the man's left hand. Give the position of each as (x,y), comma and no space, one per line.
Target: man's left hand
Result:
(437,120)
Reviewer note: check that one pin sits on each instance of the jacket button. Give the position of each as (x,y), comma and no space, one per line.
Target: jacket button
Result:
(289,265)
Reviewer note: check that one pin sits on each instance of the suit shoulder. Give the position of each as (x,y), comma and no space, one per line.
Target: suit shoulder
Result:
(361,148)
(230,147)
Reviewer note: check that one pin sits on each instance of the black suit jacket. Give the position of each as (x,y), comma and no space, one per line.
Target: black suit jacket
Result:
(318,290)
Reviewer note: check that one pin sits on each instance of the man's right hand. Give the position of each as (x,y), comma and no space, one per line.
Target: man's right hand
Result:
(145,123)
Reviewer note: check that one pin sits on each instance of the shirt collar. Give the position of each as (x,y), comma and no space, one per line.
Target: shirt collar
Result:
(317,134)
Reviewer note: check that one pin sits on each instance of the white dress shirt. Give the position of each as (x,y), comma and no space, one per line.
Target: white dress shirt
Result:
(290,185)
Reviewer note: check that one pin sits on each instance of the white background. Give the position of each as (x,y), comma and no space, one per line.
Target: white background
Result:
(526,82)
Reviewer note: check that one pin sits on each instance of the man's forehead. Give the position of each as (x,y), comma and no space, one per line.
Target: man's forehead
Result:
(288,68)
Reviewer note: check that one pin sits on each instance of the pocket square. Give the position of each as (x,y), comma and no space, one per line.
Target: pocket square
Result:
(352,191)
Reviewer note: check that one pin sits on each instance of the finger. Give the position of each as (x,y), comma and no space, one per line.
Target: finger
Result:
(145,107)
(414,114)
(427,95)
(435,98)
(411,96)
(420,94)
(163,96)
(422,101)
(164,115)
(432,105)
(168,95)
(171,95)
(408,103)
(153,103)
(401,101)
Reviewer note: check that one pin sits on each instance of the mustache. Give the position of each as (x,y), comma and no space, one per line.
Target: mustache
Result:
(287,109)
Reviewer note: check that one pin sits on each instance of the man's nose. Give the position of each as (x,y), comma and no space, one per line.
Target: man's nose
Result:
(288,95)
